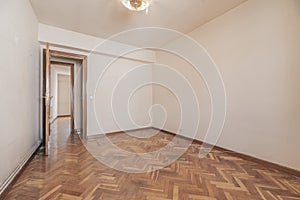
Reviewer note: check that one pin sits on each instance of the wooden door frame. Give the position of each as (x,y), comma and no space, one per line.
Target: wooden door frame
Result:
(46,98)
(83,60)
(71,65)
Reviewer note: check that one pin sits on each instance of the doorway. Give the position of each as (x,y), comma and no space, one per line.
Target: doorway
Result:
(77,104)
(62,92)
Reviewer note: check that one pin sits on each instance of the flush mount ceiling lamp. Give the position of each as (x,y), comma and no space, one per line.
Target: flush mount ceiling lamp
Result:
(137,5)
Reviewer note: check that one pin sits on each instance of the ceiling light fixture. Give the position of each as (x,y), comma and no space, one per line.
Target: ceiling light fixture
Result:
(137,5)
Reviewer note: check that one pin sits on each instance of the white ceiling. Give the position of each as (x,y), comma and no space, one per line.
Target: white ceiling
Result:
(103,18)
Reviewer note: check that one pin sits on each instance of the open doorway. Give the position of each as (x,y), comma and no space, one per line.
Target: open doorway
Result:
(65,97)
(62,92)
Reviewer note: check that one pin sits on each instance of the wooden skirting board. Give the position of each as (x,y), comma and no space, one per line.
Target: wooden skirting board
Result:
(118,132)
(60,116)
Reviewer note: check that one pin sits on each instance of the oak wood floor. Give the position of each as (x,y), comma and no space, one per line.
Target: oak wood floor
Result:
(70,172)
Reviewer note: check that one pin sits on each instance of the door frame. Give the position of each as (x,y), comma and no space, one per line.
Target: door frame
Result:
(83,60)
(45,85)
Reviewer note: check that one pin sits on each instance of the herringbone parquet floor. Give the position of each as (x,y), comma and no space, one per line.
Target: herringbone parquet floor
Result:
(70,172)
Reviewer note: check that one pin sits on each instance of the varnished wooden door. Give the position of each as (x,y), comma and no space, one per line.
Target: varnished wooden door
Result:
(47,99)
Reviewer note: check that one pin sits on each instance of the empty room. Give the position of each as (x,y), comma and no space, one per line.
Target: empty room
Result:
(150,99)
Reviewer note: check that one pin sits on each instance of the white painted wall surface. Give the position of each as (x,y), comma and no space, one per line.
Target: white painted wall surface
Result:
(256,46)
(64,95)
(172,105)
(19,85)
(107,95)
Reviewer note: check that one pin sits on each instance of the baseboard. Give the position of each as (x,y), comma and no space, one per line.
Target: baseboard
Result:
(265,163)
(59,116)
(116,132)
(6,186)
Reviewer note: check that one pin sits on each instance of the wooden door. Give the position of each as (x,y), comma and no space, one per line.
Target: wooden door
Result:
(47,99)
(84,100)
(72,98)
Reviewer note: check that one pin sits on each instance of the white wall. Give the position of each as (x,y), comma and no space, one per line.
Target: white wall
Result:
(69,41)
(19,85)
(112,92)
(256,46)
(64,95)
(172,104)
